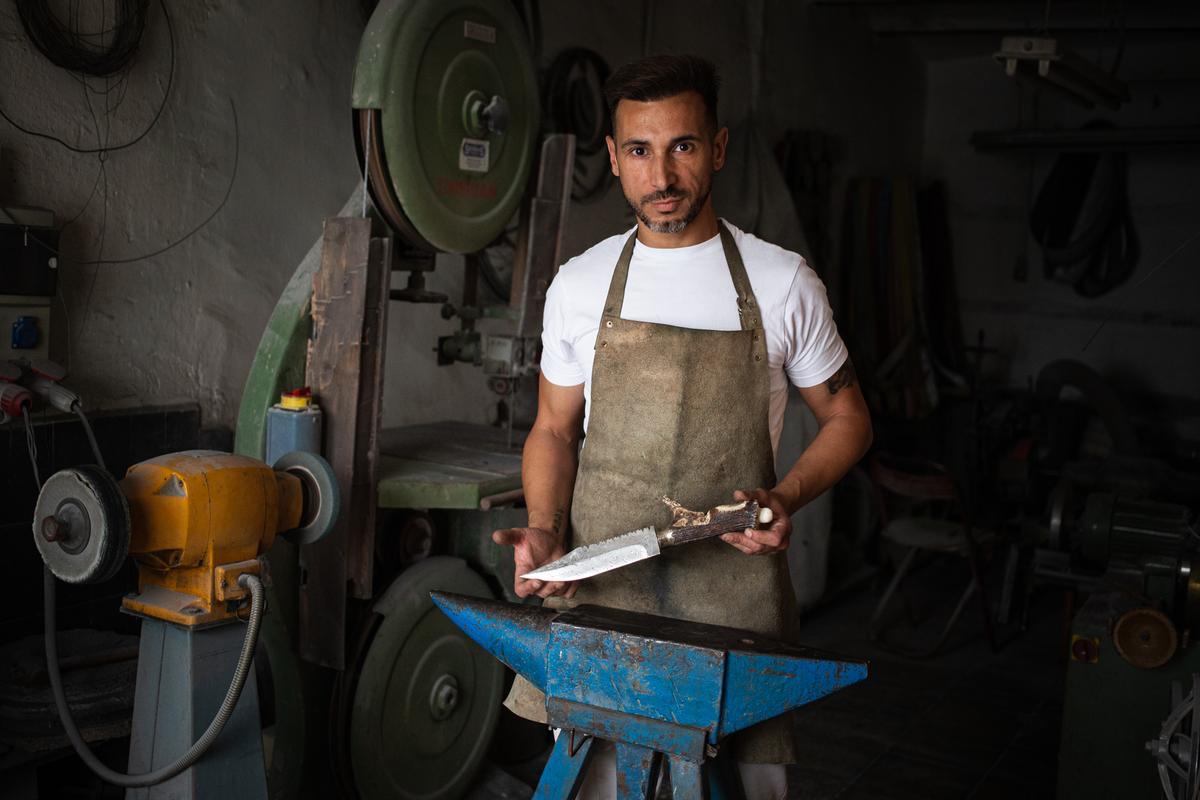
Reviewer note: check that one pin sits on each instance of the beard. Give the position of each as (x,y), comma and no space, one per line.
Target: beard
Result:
(691,211)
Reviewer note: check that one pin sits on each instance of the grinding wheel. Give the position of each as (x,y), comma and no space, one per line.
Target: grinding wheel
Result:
(81,525)
(322,498)
(1145,637)
(427,698)
(447,117)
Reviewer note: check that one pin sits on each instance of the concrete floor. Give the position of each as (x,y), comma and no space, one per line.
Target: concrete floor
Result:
(967,724)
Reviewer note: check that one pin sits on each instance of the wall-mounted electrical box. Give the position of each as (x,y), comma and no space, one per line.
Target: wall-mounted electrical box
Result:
(28,281)
(25,326)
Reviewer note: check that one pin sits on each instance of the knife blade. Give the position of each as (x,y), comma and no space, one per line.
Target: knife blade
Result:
(643,543)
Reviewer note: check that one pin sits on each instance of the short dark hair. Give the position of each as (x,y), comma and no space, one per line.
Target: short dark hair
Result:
(660,76)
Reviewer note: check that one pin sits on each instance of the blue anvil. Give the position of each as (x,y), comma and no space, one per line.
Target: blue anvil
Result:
(651,685)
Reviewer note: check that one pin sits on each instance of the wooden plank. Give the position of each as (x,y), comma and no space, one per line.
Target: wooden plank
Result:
(360,557)
(335,359)
(539,243)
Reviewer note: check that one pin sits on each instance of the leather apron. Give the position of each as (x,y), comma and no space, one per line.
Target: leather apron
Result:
(684,413)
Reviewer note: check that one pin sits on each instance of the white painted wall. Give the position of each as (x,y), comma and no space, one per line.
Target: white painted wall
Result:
(1150,346)
(184,325)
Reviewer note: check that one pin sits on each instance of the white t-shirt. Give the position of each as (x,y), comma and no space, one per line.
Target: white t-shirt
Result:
(690,287)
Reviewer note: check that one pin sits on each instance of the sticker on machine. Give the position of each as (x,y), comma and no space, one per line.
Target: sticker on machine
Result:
(479,32)
(473,155)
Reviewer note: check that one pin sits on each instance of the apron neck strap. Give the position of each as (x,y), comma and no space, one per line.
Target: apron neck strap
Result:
(616,288)
(747,305)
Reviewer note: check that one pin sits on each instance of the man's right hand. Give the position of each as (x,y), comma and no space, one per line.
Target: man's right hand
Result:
(533,547)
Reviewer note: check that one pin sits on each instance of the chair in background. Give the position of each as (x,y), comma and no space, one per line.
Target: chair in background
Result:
(922,511)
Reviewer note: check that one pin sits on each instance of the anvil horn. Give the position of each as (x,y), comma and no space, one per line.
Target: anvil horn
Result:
(517,635)
(759,686)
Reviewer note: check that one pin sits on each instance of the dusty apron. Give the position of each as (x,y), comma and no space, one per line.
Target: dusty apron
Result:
(680,412)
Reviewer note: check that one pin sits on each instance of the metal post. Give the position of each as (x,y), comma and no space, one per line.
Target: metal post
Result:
(182,678)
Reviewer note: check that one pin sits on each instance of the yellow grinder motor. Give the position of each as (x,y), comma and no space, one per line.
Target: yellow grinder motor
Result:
(193,521)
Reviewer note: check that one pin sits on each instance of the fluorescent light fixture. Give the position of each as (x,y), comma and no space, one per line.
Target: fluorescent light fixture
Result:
(1042,60)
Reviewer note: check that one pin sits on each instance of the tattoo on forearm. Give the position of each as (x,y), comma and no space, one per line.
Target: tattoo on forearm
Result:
(843,378)
(559,517)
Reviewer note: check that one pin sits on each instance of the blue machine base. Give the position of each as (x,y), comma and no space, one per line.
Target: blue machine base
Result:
(182,678)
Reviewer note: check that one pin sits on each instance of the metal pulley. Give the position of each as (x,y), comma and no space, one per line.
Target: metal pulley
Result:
(81,525)
(1175,749)
(447,116)
(422,710)
(1145,637)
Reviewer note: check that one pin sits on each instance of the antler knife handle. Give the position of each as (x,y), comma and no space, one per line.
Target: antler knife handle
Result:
(692,526)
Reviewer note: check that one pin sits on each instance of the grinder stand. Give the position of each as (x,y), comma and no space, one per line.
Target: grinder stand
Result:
(197,524)
(182,678)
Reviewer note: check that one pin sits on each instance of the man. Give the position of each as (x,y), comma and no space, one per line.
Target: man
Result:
(671,348)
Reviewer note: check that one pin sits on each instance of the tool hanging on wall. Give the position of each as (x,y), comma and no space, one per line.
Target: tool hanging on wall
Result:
(1082,221)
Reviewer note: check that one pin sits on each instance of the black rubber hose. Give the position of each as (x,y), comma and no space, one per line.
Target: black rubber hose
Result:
(91,436)
(240,673)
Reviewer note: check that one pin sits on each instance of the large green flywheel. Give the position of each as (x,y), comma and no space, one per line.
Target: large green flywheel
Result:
(447,114)
(427,697)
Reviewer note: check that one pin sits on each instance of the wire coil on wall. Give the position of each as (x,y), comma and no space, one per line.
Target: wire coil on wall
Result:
(101,53)
(573,92)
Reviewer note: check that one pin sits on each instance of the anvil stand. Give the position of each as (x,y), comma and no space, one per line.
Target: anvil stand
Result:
(659,689)
(641,746)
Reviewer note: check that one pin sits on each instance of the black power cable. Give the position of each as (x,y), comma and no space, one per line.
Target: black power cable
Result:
(67,47)
(195,229)
(104,148)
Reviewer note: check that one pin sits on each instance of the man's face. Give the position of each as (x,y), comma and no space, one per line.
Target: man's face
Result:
(665,154)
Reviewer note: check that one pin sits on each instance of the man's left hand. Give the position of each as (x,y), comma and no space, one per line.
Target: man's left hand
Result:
(759,541)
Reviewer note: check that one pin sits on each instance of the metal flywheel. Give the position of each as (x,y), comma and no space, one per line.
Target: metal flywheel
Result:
(447,116)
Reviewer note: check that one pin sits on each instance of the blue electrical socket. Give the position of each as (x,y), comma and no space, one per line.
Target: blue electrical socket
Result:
(25,333)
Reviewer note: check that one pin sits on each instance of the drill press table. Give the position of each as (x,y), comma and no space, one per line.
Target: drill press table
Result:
(446,465)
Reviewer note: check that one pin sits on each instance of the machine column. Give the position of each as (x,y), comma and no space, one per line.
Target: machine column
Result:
(183,674)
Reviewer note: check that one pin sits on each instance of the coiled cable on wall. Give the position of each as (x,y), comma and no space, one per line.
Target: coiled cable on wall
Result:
(573,98)
(104,149)
(67,47)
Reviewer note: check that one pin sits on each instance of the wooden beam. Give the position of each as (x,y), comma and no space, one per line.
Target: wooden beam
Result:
(345,363)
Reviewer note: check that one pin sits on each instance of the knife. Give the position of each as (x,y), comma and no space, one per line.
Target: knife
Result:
(630,548)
